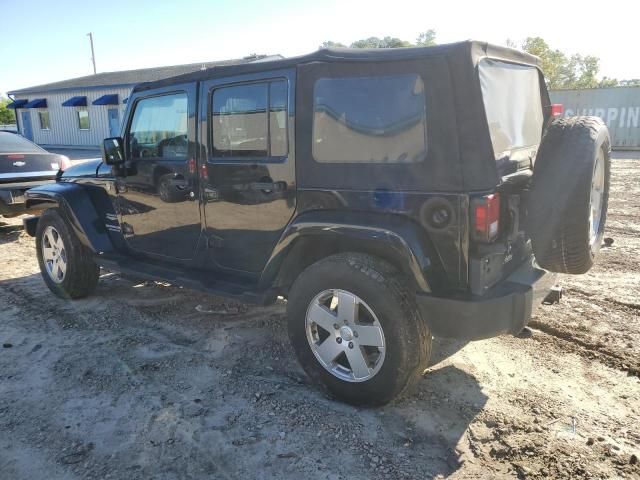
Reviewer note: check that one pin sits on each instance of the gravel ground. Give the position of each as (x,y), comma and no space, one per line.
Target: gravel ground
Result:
(136,382)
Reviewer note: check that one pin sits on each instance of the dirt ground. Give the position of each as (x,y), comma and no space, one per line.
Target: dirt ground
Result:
(142,381)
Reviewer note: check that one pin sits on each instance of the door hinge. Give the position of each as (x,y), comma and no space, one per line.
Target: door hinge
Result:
(214,242)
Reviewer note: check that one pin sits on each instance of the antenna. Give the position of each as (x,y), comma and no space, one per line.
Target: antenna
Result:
(93,55)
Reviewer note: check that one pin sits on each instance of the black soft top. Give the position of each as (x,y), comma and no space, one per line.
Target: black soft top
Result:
(474,50)
(460,156)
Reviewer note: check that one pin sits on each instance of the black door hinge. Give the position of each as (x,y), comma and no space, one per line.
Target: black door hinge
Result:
(214,242)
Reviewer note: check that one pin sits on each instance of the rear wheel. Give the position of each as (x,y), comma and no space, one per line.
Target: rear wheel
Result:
(66,265)
(356,329)
(567,204)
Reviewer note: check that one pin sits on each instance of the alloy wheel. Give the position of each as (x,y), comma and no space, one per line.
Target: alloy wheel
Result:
(345,335)
(54,254)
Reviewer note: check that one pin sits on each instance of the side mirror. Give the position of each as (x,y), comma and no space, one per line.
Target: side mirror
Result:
(113,151)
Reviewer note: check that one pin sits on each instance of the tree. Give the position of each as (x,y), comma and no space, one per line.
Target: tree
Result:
(7,116)
(560,71)
(330,44)
(425,39)
(375,42)
(554,62)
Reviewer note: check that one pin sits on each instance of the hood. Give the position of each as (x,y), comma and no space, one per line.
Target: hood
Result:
(85,169)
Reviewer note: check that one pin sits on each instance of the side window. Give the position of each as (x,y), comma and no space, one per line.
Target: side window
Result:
(249,121)
(43,116)
(83,119)
(159,127)
(379,119)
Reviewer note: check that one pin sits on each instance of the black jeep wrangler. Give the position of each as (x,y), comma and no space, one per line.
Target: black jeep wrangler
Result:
(389,195)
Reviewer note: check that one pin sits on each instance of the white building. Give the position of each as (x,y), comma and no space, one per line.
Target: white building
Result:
(81,112)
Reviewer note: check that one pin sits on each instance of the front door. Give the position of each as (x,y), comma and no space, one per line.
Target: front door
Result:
(157,202)
(27,130)
(248,174)
(114,122)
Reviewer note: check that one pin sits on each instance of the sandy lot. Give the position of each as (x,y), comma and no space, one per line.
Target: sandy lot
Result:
(135,382)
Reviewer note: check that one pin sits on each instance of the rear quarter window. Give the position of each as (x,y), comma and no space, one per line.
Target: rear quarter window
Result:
(513,105)
(378,119)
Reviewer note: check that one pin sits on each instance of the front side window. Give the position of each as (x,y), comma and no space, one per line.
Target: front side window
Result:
(379,119)
(43,116)
(250,120)
(83,119)
(159,127)
(513,105)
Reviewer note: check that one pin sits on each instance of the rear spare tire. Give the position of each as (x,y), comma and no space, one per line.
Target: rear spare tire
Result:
(567,203)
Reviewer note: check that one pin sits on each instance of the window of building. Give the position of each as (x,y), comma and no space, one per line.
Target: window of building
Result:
(379,119)
(250,120)
(159,127)
(83,119)
(43,116)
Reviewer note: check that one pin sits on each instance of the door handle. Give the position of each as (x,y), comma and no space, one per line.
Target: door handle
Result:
(269,187)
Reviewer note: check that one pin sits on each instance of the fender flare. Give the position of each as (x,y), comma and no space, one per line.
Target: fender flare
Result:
(76,205)
(402,243)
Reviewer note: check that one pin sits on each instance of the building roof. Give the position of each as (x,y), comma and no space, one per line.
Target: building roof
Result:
(132,77)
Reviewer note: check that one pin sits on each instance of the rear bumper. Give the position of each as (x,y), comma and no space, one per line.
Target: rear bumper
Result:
(12,196)
(506,308)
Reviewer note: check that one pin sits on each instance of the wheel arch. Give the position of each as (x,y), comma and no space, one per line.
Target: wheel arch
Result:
(314,236)
(76,205)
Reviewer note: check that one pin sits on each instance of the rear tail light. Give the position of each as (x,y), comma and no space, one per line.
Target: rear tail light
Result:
(64,163)
(557,109)
(486,217)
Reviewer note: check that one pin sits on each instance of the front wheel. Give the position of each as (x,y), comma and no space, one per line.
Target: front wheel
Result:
(66,265)
(356,329)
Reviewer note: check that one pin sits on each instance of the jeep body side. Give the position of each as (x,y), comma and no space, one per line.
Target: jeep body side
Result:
(402,175)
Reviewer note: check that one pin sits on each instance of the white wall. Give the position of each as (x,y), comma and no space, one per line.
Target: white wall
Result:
(64,120)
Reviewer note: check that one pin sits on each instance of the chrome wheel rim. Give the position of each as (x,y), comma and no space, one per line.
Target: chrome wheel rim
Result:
(345,335)
(54,254)
(596,198)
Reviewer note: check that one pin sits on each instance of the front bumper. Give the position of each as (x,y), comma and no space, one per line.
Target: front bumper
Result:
(506,308)
(12,196)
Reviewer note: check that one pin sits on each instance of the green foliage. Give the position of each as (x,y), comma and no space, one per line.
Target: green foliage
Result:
(554,62)
(375,42)
(330,44)
(7,116)
(576,71)
(425,39)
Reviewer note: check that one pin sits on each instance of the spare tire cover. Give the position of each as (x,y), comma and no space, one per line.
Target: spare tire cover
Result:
(567,201)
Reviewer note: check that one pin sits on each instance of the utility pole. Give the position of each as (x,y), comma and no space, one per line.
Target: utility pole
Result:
(93,55)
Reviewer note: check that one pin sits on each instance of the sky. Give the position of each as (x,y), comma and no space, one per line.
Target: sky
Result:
(43,41)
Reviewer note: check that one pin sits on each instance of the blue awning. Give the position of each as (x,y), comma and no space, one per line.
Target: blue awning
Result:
(17,104)
(111,99)
(75,102)
(36,103)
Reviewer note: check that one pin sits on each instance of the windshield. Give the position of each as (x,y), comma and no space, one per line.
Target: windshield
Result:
(14,143)
(513,105)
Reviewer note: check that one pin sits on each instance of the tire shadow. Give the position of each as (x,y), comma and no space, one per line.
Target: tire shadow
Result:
(443,348)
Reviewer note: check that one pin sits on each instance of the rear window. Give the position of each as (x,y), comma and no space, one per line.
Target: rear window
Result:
(513,105)
(14,143)
(379,119)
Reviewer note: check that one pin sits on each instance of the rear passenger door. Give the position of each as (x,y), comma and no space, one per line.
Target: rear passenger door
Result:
(248,170)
